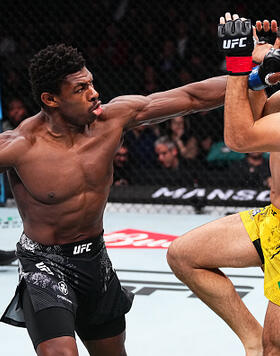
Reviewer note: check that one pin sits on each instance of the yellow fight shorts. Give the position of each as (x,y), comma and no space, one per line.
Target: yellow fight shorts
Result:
(263,227)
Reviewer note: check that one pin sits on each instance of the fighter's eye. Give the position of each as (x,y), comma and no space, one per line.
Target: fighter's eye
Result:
(80,88)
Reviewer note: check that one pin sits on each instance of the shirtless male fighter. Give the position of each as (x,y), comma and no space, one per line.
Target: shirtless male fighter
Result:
(60,166)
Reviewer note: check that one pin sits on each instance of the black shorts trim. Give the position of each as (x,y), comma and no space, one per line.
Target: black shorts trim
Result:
(56,322)
(97,332)
(257,244)
(48,323)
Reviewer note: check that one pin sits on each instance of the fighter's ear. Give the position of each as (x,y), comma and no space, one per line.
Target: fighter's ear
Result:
(49,99)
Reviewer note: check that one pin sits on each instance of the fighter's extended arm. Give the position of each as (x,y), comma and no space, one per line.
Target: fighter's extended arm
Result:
(134,110)
(12,149)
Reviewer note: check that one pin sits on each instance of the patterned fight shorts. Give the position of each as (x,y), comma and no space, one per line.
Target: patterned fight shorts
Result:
(77,276)
(263,227)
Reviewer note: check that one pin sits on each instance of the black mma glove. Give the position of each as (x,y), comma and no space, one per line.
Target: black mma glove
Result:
(235,40)
(259,77)
(267,36)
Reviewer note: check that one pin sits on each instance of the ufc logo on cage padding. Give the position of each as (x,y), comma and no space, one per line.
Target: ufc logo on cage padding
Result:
(236,42)
(82,248)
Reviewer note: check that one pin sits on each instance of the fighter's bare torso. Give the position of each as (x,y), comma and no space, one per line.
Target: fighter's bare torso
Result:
(60,161)
(61,186)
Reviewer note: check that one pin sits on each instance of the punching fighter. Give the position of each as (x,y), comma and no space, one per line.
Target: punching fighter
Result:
(60,166)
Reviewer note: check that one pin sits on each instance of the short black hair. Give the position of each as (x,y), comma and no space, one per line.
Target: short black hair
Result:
(50,66)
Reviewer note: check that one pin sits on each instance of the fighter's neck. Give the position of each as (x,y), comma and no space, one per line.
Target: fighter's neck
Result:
(58,127)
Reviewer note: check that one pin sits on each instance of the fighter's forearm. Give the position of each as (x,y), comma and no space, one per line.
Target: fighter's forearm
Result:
(212,91)
(238,113)
(257,100)
(207,94)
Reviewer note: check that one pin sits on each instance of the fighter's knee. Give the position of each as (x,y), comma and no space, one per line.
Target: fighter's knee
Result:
(57,352)
(176,254)
(54,348)
(171,254)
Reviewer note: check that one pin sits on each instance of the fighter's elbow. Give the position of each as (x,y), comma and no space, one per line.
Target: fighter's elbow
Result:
(237,143)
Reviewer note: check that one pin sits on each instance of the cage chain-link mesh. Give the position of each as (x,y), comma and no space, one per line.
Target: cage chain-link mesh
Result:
(140,47)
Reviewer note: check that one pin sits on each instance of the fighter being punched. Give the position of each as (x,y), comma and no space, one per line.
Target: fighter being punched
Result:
(250,238)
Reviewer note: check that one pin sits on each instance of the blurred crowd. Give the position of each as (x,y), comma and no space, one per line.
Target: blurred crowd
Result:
(171,154)
(137,48)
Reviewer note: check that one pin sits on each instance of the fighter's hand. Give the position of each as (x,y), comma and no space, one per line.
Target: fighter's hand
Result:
(235,40)
(266,36)
(267,53)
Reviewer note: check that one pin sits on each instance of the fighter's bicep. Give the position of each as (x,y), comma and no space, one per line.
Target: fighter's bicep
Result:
(167,104)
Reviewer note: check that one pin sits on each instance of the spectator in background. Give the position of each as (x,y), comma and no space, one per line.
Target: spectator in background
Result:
(145,41)
(16,113)
(184,76)
(208,128)
(172,169)
(169,65)
(150,80)
(218,160)
(114,48)
(250,172)
(122,168)
(178,129)
(182,40)
(220,155)
(199,70)
(140,144)
(135,82)
(205,145)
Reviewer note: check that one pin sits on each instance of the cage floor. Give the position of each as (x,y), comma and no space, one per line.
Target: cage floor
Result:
(166,318)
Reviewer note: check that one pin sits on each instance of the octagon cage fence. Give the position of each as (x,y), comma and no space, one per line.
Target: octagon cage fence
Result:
(141,47)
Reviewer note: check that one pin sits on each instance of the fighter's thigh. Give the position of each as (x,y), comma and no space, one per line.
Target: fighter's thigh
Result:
(271,333)
(51,330)
(220,243)
(111,346)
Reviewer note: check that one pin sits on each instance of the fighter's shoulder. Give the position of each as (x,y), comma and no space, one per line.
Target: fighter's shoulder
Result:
(109,112)
(24,133)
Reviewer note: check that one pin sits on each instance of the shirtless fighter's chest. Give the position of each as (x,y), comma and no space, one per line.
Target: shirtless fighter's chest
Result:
(60,171)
